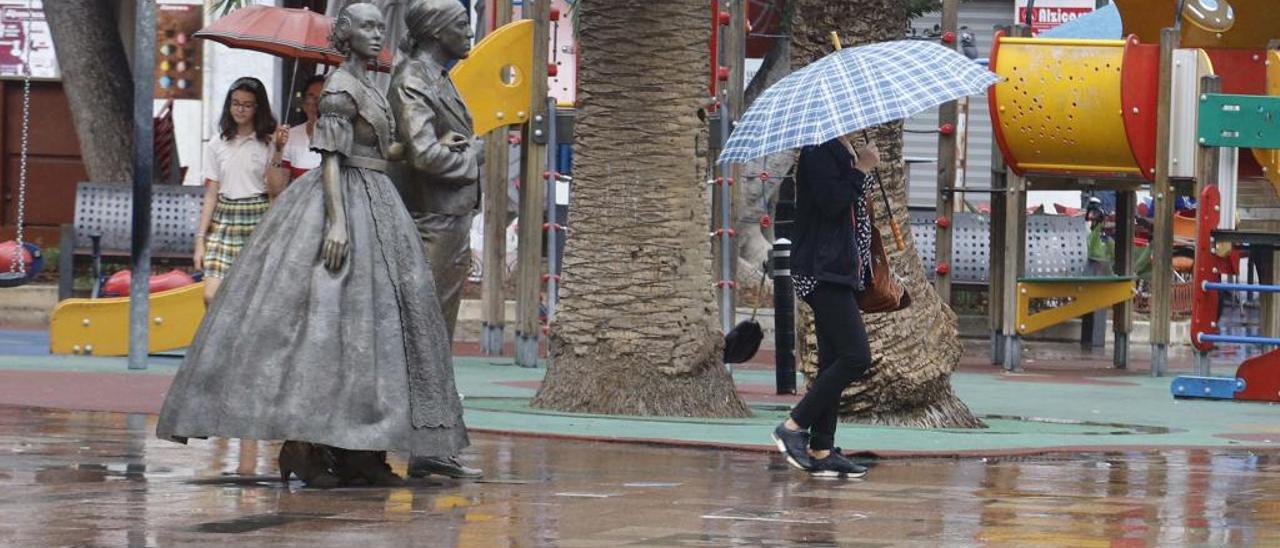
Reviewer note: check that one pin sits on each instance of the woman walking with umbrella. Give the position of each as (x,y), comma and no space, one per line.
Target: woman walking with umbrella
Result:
(815,109)
(830,262)
(327,330)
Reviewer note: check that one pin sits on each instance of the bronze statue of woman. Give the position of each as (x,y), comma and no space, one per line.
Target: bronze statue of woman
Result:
(327,331)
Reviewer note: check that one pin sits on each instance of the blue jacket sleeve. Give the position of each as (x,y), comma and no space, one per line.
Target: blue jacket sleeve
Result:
(833,186)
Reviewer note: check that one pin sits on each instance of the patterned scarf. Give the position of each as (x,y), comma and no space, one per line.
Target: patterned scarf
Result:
(862,230)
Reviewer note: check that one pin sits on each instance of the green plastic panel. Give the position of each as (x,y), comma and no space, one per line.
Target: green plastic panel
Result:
(1242,121)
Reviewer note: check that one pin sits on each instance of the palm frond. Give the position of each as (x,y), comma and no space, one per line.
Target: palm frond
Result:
(223,7)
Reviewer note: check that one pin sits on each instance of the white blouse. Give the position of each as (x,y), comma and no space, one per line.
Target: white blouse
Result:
(298,150)
(239,166)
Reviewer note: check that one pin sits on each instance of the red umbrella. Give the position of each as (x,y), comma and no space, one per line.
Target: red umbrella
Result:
(285,32)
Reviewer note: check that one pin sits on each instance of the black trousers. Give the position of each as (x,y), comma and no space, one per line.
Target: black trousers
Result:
(844,356)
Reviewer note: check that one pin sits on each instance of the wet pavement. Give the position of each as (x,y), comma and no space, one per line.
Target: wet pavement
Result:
(102,479)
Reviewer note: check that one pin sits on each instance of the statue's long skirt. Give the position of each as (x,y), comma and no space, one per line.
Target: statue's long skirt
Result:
(357,358)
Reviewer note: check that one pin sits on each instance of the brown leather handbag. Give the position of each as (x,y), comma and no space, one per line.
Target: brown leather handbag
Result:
(885,293)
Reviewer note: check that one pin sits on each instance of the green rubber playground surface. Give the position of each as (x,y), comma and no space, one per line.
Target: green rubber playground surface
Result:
(1024,413)
(1042,411)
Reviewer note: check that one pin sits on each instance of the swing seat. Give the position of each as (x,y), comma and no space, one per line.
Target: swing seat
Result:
(33,263)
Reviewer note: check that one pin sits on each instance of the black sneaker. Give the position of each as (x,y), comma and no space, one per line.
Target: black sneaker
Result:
(794,444)
(836,465)
(420,467)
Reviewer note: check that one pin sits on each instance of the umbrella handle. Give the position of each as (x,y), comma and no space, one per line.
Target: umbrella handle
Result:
(897,233)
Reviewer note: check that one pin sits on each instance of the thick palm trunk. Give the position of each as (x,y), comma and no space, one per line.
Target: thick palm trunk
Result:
(915,350)
(637,330)
(96,78)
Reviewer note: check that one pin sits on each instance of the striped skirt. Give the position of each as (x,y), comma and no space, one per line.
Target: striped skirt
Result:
(233,223)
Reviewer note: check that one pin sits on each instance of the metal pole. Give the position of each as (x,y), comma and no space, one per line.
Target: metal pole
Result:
(1215,286)
(1122,313)
(1207,174)
(144,66)
(553,180)
(726,248)
(784,326)
(948,116)
(727,312)
(1234,339)
(496,179)
(1013,249)
(996,232)
(529,281)
(1163,197)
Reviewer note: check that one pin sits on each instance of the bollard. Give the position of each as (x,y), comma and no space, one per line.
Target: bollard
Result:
(784,317)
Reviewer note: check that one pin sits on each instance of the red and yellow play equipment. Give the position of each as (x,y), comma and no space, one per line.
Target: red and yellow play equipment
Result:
(100,327)
(1075,114)
(1079,108)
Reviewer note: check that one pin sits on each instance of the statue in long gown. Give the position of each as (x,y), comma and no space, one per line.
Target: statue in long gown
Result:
(327,331)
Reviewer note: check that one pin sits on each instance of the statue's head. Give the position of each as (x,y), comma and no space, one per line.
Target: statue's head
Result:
(358,30)
(440,21)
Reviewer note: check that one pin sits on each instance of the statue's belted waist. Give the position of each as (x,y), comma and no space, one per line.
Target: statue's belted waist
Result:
(376,164)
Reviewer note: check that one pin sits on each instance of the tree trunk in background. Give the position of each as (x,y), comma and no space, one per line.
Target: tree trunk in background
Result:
(97,79)
(915,350)
(637,331)
(755,196)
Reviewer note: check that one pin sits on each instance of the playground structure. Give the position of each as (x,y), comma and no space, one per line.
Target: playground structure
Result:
(1114,115)
(1073,115)
(1232,121)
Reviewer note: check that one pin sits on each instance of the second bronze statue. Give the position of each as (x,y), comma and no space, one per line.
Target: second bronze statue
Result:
(439,177)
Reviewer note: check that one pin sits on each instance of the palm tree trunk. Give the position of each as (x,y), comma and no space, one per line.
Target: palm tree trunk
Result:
(637,330)
(96,78)
(914,350)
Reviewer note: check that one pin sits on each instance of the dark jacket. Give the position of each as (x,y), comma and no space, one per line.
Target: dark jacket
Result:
(827,186)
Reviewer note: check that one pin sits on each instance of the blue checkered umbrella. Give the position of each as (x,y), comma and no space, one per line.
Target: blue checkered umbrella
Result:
(853,89)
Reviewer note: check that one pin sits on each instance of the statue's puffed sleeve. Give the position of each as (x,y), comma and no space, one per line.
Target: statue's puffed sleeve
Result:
(333,132)
(416,122)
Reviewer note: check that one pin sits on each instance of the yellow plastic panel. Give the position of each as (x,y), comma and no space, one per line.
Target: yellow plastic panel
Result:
(494,79)
(1059,107)
(100,327)
(1256,23)
(1270,158)
(1088,295)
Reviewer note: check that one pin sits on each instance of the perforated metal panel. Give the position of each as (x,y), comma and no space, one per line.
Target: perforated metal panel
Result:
(1056,246)
(106,209)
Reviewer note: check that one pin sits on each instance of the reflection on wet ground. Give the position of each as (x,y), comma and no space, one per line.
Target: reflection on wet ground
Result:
(100,479)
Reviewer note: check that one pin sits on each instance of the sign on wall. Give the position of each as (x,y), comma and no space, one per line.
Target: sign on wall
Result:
(22,26)
(178,55)
(1048,14)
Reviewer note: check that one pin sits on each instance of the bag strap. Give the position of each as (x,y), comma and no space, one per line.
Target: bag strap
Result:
(764,273)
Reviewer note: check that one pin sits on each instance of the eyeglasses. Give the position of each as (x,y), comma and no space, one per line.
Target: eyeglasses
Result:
(243,106)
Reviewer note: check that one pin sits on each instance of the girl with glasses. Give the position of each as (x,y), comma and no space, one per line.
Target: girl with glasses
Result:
(242,169)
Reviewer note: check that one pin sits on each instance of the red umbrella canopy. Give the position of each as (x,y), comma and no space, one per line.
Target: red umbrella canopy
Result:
(285,32)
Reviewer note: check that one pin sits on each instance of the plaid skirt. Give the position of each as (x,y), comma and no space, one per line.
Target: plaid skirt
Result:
(233,223)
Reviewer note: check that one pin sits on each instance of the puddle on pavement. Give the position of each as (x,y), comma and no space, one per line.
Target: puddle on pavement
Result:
(81,481)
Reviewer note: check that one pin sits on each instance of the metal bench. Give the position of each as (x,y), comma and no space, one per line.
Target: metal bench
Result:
(102,225)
